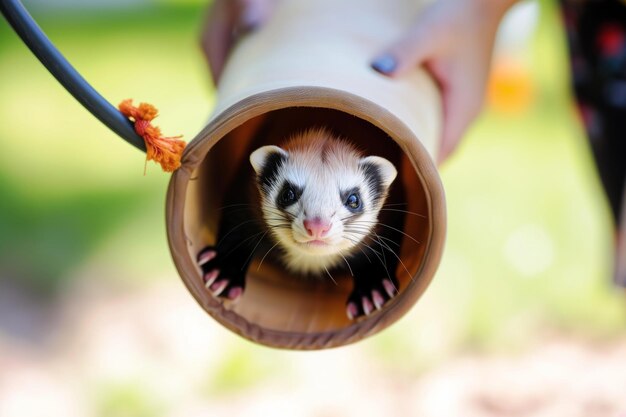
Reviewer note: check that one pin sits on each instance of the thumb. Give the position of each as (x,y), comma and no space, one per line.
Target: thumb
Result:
(404,54)
(252,14)
(462,103)
(215,39)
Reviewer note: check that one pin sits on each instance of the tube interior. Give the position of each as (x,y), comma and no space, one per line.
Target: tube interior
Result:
(275,298)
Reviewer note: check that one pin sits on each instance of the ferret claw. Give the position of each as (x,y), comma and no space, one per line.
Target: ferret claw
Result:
(234,293)
(218,287)
(352,311)
(367,306)
(205,257)
(378,299)
(222,276)
(210,277)
(389,288)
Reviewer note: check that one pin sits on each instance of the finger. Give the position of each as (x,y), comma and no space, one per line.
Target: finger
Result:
(405,54)
(462,103)
(216,37)
(252,14)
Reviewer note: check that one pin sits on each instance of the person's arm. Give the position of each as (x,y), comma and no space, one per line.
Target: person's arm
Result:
(225,21)
(454,40)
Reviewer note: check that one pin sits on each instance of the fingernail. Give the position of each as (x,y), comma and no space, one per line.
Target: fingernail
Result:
(385,64)
(247,27)
(249,21)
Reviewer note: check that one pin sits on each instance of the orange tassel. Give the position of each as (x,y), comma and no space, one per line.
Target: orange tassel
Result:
(166,151)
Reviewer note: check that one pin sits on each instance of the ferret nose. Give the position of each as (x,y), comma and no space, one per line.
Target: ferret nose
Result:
(317,227)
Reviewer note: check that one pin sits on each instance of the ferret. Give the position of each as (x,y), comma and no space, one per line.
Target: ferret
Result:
(320,201)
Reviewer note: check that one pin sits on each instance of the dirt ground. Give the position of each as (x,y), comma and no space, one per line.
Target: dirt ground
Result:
(154,352)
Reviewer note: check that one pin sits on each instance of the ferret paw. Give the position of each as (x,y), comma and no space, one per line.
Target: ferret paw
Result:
(370,296)
(222,280)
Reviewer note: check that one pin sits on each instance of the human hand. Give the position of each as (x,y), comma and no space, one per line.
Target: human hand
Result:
(454,40)
(226,21)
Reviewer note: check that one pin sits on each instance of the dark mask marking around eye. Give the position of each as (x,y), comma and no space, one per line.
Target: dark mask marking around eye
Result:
(349,197)
(268,174)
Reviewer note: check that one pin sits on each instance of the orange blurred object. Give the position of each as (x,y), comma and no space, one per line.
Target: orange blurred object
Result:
(510,88)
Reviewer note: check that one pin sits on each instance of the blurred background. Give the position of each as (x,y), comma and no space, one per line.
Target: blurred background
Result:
(521,319)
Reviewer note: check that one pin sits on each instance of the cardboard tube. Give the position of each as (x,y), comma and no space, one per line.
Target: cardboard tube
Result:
(309,66)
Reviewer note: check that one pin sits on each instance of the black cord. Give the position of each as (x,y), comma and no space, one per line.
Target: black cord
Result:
(32,35)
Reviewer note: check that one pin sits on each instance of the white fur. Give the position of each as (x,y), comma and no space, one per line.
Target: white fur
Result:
(322,166)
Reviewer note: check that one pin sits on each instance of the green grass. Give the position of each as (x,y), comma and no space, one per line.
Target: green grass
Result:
(244,367)
(71,189)
(127,399)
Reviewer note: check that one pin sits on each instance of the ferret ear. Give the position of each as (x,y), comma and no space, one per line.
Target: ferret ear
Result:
(259,157)
(385,169)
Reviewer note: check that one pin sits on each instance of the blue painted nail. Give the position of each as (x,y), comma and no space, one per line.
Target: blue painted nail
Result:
(385,64)
(246,27)
(248,22)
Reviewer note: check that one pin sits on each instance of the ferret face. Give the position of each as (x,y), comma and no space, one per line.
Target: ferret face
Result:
(319,197)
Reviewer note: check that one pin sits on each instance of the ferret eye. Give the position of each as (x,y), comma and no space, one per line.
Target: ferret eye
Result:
(287,196)
(353,201)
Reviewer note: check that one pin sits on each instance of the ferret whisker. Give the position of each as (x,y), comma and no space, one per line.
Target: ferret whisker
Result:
(362,229)
(355,216)
(358,232)
(275,216)
(276,211)
(252,211)
(400,231)
(369,247)
(389,240)
(359,247)
(346,261)
(382,249)
(235,228)
(255,208)
(351,216)
(242,242)
(279,226)
(272,215)
(396,255)
(281,221)
(366,221)
(393,228)
(279,216)
(331,277)
(237,205)
(361,232)
(253,249)
(378,255)
(266,253)
(405,211)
